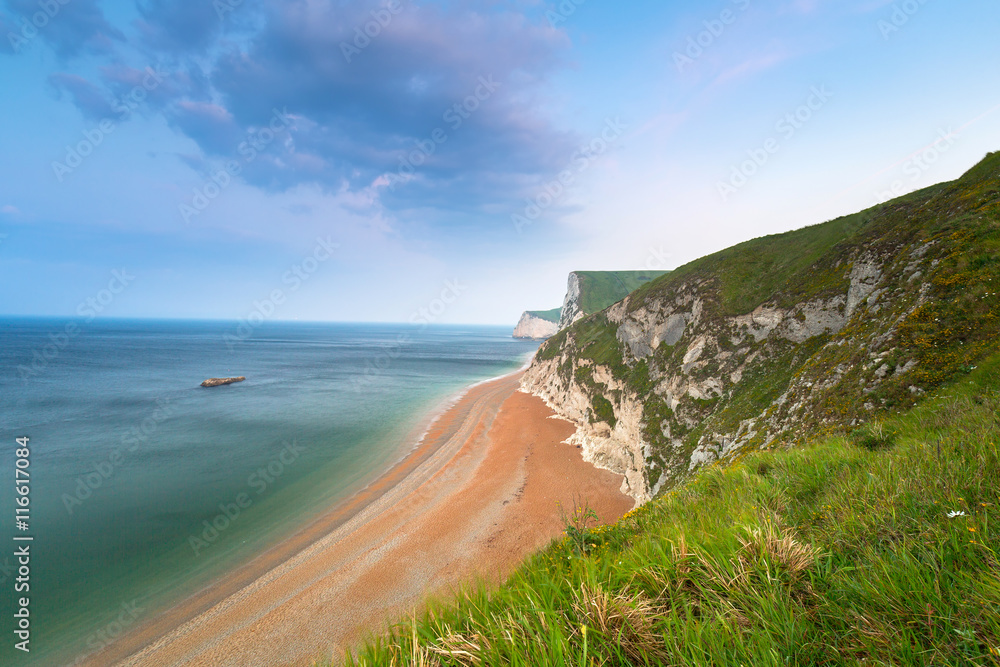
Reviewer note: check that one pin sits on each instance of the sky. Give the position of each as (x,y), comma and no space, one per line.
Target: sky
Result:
(452,161)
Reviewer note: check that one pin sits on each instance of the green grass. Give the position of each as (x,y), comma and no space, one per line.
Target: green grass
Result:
(600,289)
(604,411)
(834,553)
(807,263)
(750,273)
(937,316)
(547,315)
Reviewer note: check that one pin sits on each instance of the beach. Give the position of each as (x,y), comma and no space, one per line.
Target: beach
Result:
(479,493)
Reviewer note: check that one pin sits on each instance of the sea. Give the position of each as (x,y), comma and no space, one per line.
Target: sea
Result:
(143,487)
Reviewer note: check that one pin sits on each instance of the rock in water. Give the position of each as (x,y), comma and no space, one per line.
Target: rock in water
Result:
(215,382)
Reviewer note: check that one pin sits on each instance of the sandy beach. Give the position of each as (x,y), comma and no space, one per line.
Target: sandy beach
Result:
(477,496)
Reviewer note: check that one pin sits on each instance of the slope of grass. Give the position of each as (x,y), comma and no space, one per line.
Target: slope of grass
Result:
(547,315)
(839,552)
(935,315)
(600,289)
(805,263)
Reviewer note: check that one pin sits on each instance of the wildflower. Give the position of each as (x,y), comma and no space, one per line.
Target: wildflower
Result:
(953,515)
(972,530)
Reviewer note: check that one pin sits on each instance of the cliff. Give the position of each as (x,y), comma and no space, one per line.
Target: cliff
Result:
(820,329)
(537,324)
(589,292)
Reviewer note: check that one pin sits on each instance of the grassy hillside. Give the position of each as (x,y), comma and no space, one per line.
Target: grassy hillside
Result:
(817,329)
(880,548)
(817,417)
(547,315)
(600,289)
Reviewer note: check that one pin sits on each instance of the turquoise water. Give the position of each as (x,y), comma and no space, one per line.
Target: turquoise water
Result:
(145,486)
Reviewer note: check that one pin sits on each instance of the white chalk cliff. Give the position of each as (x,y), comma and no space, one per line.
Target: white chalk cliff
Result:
(533,327)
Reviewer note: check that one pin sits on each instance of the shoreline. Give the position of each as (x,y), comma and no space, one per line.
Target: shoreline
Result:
(354,541)
(414,449)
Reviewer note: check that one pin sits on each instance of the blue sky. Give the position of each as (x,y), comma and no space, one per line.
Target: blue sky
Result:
(219,151)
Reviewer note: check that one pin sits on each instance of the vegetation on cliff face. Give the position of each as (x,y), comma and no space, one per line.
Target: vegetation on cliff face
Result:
(837,390)
(820,329)
(881,548)
(600,289)
(547,315)
(589,292)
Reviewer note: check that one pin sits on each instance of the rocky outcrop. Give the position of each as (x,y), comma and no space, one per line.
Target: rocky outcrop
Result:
(619,449)
(703,366)
(571,311)
(695,358)
(533,327)
(217,382)
(587,292)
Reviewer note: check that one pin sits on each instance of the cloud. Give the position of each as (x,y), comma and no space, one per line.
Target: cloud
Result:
(214,126)
(10,210)
(122,90)
(367,90)
(361,113)
(72,28)
(185,27)
(88,98)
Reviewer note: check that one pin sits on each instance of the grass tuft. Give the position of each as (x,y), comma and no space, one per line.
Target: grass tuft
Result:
(627,620)
(876,435)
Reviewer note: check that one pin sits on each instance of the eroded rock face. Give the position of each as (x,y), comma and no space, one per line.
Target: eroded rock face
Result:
(571,311)
(859,315)
(535,328)
(697,360)
(865,275)
(619,448)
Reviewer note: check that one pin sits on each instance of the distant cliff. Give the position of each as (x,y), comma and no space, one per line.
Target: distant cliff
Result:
(589,292)
(538,324)
(823,328)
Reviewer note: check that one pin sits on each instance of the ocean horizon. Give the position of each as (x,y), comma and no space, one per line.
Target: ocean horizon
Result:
(146,487)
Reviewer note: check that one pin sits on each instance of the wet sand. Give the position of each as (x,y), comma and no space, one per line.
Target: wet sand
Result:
(478,495)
